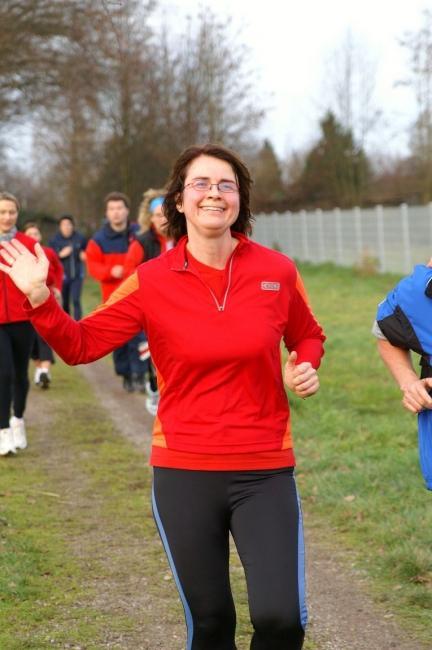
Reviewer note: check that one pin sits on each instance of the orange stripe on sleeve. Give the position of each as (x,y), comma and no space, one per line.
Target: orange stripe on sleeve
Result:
(302,289)
(158,437)
(287,441)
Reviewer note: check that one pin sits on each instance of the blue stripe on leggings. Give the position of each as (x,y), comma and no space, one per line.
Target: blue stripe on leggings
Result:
(301,567)
(188,614)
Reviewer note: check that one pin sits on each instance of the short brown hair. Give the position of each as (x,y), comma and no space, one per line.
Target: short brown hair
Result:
(7,196)
(176,220)
(30,224)
(117,196)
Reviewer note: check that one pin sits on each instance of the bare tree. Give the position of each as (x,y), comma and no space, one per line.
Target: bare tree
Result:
(112,102)
(419,46)
(350,81)
(214,88)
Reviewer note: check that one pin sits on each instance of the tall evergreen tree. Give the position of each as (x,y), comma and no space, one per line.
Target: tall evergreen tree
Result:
(336,171)
(268,189)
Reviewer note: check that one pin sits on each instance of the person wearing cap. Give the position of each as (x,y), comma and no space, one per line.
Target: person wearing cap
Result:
(403,324)
(70,245)
(216,309)
(150,241)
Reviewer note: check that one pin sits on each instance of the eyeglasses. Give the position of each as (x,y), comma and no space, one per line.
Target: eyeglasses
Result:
(201,185)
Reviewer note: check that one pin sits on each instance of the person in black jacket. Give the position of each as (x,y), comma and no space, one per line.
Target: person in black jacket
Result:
(70,245)
(150,242)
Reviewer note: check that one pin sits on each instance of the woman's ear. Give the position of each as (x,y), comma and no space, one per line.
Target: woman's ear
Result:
(179,203)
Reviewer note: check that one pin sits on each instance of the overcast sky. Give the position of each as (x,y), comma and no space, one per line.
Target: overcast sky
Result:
(290,42)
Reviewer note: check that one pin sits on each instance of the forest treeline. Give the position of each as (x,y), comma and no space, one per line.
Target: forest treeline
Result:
(112,95)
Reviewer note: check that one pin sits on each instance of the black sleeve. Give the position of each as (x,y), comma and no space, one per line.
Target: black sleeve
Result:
(399,331)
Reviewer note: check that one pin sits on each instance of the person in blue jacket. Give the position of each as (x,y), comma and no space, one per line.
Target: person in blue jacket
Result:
(404,324)
(69,244)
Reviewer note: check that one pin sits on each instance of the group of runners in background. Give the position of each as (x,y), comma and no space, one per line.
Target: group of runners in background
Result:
(109,256)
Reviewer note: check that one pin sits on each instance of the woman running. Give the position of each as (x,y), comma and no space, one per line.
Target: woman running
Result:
(149,242)
(41,353)
(16,340)
(215,308)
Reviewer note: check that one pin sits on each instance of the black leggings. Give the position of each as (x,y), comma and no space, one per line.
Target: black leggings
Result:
(194,512)
(41,351)
(16,342)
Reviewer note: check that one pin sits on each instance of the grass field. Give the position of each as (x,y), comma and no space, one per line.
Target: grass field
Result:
(357,471)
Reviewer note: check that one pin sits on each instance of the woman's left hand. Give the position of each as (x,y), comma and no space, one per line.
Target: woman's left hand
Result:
(301,379)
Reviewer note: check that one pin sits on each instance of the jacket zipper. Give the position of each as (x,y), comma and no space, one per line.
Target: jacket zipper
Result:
(72,260)
(220,307)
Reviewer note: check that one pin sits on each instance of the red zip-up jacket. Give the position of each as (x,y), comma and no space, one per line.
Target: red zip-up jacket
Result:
(106,249)
(218,361)
(55,278)
(136,255)
(11,298)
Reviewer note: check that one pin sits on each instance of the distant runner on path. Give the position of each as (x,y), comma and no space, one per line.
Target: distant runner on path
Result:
(42,355)
(215,308)
(150,241)
(105,255)
(16,337)
(70,245)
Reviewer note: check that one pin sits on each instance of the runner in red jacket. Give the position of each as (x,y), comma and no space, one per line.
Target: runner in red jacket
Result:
(105,255)
(216,309)
(150,242)
(16,339)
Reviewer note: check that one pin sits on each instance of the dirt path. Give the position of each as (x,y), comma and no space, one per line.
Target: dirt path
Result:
(117,583)
(342,614)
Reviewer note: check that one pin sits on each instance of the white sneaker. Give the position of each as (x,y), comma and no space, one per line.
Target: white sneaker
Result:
(37,375)
(143,351)
(152,400)
(18,432)
(7,445)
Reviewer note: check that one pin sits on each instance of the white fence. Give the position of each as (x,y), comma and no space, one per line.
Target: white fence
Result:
(392,239)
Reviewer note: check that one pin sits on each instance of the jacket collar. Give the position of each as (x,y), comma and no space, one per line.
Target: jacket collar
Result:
(61,238)
(8,236)
(179,257)
(113,234)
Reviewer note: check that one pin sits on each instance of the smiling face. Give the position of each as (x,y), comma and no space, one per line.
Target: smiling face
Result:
(8,216)
(209,213)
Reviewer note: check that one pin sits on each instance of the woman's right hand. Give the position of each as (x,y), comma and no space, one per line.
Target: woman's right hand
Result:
(29,272)
(416,394)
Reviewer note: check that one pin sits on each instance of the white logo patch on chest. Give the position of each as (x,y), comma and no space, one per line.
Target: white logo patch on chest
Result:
(270,286)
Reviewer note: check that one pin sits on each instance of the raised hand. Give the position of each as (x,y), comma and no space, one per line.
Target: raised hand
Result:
(117,271)
(29,272)
(301,379)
